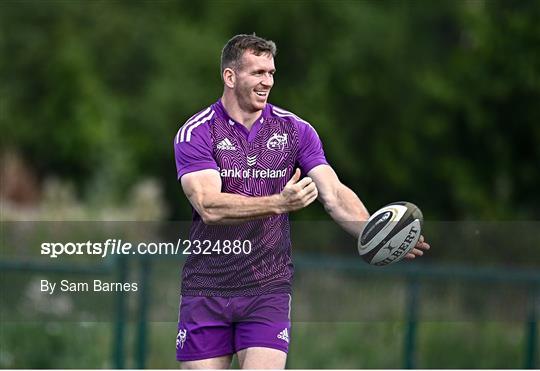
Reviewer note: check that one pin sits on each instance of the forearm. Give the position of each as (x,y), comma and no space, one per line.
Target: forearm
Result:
(348,211)
(228,208)
(203,190)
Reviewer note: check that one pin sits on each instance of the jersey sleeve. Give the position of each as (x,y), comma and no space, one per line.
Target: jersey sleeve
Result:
(194,154)
(310,149)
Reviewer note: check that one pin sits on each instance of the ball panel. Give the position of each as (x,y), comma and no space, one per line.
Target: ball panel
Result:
(375,225)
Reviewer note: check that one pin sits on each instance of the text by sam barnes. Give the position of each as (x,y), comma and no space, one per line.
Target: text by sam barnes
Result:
(81,286)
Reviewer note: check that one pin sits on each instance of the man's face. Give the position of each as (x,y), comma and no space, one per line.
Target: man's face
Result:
(254,80)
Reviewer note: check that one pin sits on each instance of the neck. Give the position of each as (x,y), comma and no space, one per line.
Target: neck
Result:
(237,113)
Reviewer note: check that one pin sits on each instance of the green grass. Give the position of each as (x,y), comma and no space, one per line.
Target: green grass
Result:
(471,345)
(55,345)
(495,345)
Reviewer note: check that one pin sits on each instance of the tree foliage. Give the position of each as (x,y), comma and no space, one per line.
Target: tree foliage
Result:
(432,102)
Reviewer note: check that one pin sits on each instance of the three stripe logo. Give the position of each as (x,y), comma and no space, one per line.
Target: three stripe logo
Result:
(226,145)
(284,335)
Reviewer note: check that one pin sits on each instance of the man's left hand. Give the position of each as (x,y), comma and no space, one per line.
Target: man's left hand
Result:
(419,249)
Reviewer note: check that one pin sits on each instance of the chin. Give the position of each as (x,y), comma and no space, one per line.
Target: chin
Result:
(258,106)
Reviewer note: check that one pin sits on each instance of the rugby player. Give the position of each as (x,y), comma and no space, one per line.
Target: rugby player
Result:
(244,164)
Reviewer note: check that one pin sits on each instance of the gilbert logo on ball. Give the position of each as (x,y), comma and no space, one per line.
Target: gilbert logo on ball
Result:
(390,233)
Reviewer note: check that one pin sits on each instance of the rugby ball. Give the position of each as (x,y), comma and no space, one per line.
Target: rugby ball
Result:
(390,233)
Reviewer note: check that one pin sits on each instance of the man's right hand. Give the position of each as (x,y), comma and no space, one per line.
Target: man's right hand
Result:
(297,193)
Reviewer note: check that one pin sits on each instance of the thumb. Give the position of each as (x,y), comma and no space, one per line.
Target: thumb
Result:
(295,177)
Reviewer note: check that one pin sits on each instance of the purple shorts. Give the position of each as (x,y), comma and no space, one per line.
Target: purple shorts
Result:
(210,326)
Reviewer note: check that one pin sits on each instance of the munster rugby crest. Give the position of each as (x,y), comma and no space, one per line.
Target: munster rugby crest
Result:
(277,142)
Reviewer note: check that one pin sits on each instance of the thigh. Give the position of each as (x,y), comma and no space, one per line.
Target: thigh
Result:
(205,333)
(262,358)
(217,363)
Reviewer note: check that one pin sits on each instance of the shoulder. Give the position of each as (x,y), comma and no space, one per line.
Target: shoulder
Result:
(197,124)
(285,115)
(302,125)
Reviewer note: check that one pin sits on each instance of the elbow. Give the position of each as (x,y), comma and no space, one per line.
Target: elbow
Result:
(209,217)
(206,210)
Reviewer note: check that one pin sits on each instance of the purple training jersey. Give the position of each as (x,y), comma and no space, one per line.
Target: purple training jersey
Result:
(252,163)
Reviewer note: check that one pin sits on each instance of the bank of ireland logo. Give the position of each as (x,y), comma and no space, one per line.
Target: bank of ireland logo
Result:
(277,142)
(181,338)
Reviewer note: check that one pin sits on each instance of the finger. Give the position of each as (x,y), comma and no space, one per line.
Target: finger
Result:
(423,246)
(410,256)
(309,188)
(295,177)
(417,252)
(421,240)
(311,194)
(304,182)
(311,198)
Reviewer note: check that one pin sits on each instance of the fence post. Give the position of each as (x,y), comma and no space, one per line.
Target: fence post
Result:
(119,329)
(412,318)
(531,343)
(141,347)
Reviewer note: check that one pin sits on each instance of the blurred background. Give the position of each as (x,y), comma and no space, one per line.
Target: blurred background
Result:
(436,103)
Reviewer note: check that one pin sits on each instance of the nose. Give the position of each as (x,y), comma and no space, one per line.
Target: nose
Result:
(268,80)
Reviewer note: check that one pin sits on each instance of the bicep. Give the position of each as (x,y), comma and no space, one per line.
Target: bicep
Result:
(327,182)
(199,185)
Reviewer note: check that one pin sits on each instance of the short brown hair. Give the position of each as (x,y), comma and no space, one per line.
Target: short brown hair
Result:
(231,55)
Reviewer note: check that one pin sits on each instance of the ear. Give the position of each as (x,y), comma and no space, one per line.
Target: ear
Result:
(229,77)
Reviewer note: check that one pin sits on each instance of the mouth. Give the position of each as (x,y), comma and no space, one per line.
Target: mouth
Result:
(262,94)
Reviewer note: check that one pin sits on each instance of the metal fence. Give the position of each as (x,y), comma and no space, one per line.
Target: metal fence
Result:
(413,273)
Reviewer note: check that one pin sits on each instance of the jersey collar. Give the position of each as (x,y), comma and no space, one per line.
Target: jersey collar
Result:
(221,111)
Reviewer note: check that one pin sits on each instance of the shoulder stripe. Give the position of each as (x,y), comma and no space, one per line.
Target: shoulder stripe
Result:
(282,113)
(181,132)
(188,136)
(193,121)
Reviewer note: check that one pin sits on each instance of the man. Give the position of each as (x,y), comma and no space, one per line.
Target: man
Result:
(240,162)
